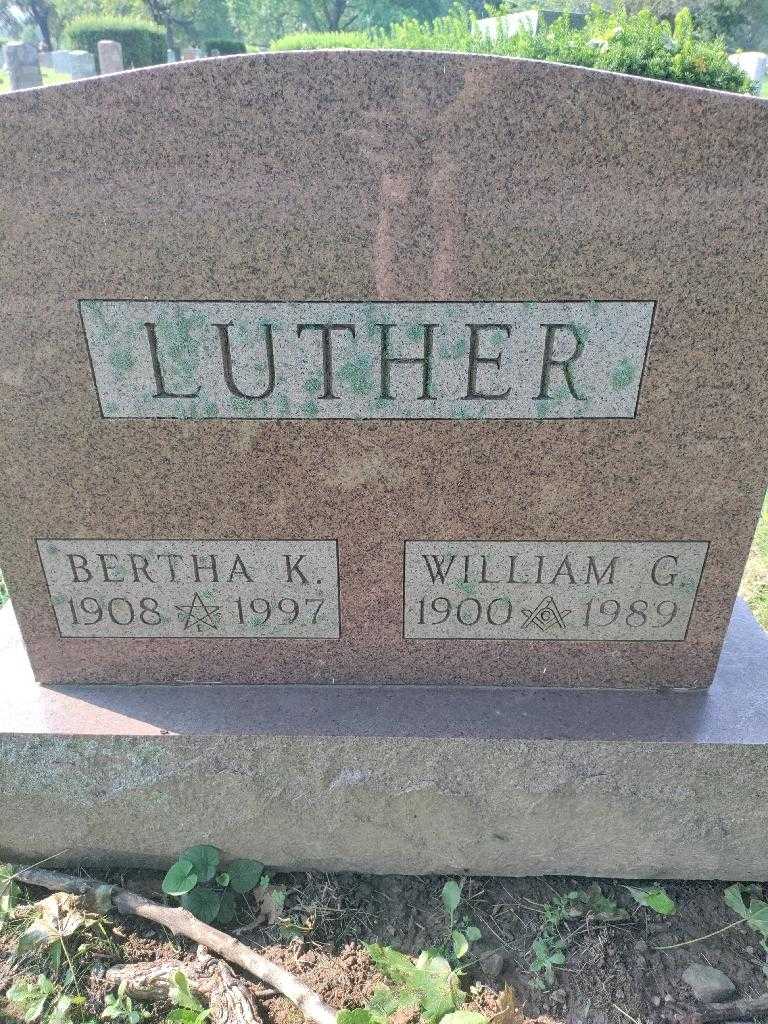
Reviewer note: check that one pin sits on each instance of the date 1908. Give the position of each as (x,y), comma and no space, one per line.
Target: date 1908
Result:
(193,589)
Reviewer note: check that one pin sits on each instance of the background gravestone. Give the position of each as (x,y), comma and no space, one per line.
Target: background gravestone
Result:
(462,394)
(61,60)
(110,56)
(81,64)
(23,66)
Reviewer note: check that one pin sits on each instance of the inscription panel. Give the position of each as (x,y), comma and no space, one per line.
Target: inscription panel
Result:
(193,589)
(368,360)
(550,590)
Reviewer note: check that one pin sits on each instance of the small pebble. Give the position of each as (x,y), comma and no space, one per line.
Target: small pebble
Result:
(708,984)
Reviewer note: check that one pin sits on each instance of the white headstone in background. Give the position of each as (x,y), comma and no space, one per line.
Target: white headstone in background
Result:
(191,53)
(23,66)
(61,61)
(753,63)
(507,24)
(170,56)
(44,59)
(82,64)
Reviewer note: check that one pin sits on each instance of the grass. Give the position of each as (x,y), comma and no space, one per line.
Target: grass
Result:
(754,585)
(50,77)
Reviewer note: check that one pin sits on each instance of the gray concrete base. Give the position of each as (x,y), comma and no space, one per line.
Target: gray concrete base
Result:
(395,779)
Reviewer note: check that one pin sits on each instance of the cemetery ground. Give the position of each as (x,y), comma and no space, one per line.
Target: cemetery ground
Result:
(540,949)
(50,77)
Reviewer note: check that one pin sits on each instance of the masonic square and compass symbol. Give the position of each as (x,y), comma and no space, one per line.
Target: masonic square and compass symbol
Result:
(199,615)
(545,615)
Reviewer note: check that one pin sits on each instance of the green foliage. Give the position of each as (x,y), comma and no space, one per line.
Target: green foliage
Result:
(755,915)
(32,997)
(754,585)
(3,588)
(188,1008)
(656,898)
(142,41)
(635,44)
(428,985)
(547,951)
(205,891)
(460,941)
(224,46)
(323,41)
(10,892)
(43,997)
(262,21)
(451,897)
(120,1007)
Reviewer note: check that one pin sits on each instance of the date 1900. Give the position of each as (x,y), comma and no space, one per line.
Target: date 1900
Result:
(551,590)
(500,611)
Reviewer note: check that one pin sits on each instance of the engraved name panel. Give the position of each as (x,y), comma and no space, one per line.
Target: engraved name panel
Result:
(193,589)
(368,360)
(547,590)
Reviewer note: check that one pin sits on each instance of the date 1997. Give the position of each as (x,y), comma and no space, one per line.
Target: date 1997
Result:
(193,589)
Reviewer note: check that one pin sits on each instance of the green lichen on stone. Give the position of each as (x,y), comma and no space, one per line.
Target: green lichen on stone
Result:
(313,385)
(623,375)
(461,412)
(455,350)
(242,406)
(310,409)
(547,406)
(179,339)
(122,360)
(357,374)
(468,589)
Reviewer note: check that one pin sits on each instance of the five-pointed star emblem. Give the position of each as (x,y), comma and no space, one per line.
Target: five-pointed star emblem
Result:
(199,615)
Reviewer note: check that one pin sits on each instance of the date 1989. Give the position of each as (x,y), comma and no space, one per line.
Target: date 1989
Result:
(550,617)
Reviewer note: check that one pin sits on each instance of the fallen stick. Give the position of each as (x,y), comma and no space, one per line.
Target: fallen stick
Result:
(744,1008)
(181,922)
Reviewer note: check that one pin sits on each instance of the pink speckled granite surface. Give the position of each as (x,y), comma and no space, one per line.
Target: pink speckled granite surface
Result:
(385,176)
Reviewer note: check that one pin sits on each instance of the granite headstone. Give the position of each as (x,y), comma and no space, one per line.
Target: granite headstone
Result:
(110,56)
(61,61)
(453,387)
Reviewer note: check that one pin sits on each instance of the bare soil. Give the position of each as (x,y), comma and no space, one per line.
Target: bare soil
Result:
(614,972)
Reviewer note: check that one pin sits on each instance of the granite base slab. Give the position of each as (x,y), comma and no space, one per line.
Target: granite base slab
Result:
(394,779)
